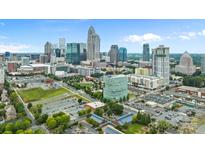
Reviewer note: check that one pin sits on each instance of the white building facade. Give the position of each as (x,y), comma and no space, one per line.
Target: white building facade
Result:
(160,62)
(93,45)
(146,82)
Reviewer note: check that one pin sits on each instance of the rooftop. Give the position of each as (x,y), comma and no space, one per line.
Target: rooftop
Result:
(189,88)
(97,118)
(111,130)
(95,105)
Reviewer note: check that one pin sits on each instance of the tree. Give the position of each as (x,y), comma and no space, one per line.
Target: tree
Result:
(8,132)
(20,131)
(99,112)
(142,118)
(39,131)
(26,123)
(19,125)
(42,119)
(167,88)
(29,105)
(79,100)
(65,119)
(2,113)
(163,125)
(117,109)
(28,131)
(51,123)
(9,127)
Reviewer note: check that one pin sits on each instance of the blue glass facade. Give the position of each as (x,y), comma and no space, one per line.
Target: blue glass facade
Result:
(73,53)
(122,54)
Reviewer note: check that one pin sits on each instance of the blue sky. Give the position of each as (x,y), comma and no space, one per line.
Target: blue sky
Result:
(30,35)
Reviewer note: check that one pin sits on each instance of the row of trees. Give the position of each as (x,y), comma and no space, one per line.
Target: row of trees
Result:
(113,108)
(159,127)
(15,127)
(195,81)
(21,113)
(142,118)
(92,122)
(58,122)
(36,110)
(84,112)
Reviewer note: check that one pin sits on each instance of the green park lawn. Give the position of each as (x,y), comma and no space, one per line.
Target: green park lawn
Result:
(85,85)
(134,129)
(36,94)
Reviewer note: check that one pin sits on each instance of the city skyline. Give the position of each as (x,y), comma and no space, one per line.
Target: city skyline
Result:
(31,35)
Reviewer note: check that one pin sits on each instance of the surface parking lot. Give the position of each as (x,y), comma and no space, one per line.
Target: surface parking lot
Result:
(147,109)
(161,99)
(174,118)
(69,106)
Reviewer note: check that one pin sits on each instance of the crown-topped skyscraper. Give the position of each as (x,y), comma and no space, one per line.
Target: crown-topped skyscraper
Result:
(93,45)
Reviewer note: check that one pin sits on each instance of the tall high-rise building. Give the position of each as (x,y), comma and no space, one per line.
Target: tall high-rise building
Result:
(93,45)
(73,53)
(57,52)
(203,64)
(43,59)
(48,50)
(54,46)
(116,87)
(146,53)
(12,66)
(122,54)
(83,50)
(114,54)
(7,55)
(2,74)
(186,65)
(25,60)
(53,58)
(62,46)
(160,62)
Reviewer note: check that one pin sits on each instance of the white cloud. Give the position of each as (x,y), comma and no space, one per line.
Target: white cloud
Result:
(148,37)
(13,47)
(184,37)
(2,24)
(203,32)
(191,35)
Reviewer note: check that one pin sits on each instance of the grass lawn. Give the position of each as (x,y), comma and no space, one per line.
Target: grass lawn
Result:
(131,95)
(134,129)
(84,84)
(36,94)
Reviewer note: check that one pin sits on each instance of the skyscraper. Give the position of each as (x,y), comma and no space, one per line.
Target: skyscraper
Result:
(203,64)
(93,45)
(73,53)
(83,56)
(146,54)
(25,60)
(48,50)
(62,46)
(186,65)
(43,59)
(160,62)
(116,87)
(2,74)
(122,54)
(58,52)
(114,54)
